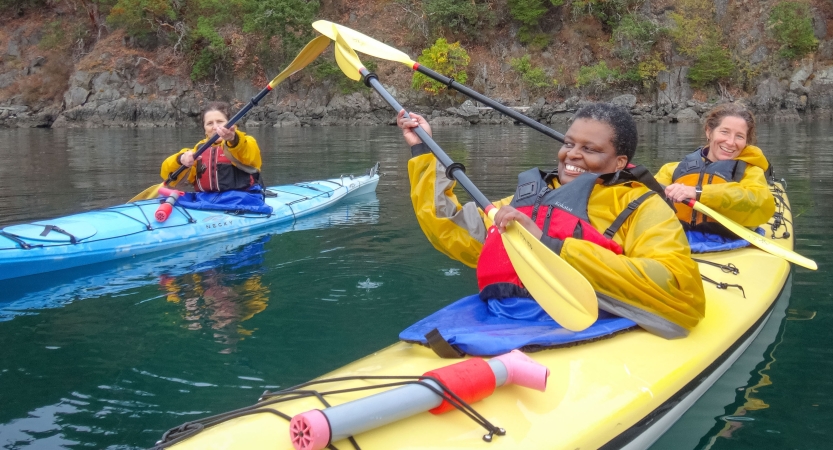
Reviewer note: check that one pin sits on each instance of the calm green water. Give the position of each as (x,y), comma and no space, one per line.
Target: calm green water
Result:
(112,355)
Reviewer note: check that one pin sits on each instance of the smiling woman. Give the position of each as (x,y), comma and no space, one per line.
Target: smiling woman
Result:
(727,175)
(594,212)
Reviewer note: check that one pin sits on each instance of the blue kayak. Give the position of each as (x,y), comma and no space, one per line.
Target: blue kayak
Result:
(130,230)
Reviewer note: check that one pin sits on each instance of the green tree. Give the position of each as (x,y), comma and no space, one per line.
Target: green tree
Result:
(792,27)
(450,60)
(712,63)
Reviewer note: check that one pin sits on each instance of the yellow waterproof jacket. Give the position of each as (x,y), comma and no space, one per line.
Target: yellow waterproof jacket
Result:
(654,282)
(748,202)
(246,152)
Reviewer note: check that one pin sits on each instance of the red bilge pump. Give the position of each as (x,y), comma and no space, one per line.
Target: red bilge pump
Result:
(164,210)
(471,380)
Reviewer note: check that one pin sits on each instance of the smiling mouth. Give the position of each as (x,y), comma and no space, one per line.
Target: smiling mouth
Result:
(572,168)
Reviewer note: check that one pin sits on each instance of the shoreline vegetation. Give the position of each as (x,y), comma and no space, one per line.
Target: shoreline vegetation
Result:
(153,63)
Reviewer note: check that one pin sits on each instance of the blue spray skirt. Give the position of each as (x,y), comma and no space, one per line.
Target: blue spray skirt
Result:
(496,327)
(129,230)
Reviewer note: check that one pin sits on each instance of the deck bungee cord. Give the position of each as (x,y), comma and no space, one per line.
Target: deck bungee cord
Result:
(452,387)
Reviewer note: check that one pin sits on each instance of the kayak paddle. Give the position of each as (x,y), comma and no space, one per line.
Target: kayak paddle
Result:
(372,47)
(307,55)
(563,292)
(752,237)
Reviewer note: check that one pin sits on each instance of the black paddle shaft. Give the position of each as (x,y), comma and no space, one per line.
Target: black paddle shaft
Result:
(252,103)
(528,121)
(455,170)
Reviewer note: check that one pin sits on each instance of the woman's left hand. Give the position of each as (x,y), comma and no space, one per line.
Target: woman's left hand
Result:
(226,134)
(678,192)
(507,214)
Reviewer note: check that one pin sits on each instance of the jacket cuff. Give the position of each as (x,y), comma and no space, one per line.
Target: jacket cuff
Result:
(419,149)
(179,158)
(554,244)
(234,142)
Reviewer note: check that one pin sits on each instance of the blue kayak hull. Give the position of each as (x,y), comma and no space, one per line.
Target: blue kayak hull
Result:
(130,230)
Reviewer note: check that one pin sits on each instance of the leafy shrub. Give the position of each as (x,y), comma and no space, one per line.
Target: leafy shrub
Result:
(450,60)
(697,36)
(792,26)
(287,19)
(533,77)
(648,69)
(712,63)
(134,15)
(596,76)
(468,16)
(633,37)
(609,12)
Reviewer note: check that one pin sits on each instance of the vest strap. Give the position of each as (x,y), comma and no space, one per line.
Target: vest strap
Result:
(623,216)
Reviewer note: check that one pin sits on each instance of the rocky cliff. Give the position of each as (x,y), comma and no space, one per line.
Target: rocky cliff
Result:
(112,84)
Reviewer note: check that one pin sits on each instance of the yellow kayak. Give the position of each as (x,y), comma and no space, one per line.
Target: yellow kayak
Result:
(620,392)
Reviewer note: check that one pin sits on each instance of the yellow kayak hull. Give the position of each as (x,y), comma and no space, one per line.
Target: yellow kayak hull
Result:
(621,392)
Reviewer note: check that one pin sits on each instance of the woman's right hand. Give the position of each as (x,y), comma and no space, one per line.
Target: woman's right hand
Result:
(187,158)
(408,124)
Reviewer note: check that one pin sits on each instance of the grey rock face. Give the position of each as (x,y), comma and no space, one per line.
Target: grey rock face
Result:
(627,100)
(673,86)
(687,115)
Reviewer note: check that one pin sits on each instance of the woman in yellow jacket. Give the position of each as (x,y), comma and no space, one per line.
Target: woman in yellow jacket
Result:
(232,163)
(727,175)
(641,265)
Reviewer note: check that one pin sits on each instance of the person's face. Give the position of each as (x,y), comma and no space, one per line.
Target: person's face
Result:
(728,139)
(211,120)
(588,147)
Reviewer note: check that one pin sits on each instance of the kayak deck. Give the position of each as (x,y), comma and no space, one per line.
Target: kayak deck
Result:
(619,392)
(129,230)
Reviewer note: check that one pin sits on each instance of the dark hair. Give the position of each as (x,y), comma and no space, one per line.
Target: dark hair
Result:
(625,136)
(720,112)
(222,107)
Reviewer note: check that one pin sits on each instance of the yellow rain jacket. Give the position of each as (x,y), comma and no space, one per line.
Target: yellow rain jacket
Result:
(245,152)
(654,282)
(748,202)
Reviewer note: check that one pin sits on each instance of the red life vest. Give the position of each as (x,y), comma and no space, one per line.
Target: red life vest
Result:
(560,213)
(217,173)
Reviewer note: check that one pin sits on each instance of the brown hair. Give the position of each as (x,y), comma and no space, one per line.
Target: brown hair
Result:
(719,112)
(222,107)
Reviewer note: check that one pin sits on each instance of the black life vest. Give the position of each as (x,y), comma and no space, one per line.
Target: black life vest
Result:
(696,170)
(218,171)
(560,213)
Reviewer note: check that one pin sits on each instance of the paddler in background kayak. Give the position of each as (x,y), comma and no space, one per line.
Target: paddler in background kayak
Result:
(727,174)
(229,170)
(597,215)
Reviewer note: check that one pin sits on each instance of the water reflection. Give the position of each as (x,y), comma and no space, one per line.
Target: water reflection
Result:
(222,296)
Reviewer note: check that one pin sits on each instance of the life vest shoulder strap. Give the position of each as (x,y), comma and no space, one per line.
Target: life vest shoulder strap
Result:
(623,216)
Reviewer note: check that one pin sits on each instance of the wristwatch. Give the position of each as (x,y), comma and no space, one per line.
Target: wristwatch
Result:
(697,191)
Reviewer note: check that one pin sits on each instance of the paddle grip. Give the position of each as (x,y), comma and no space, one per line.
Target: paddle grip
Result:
(528,121)
(316,429)
(442,157)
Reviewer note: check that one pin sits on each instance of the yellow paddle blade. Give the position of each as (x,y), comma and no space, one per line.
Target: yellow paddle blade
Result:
(558,287)
(307,55)
(754,238)
(347,59)
(361,42)
(147,194)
